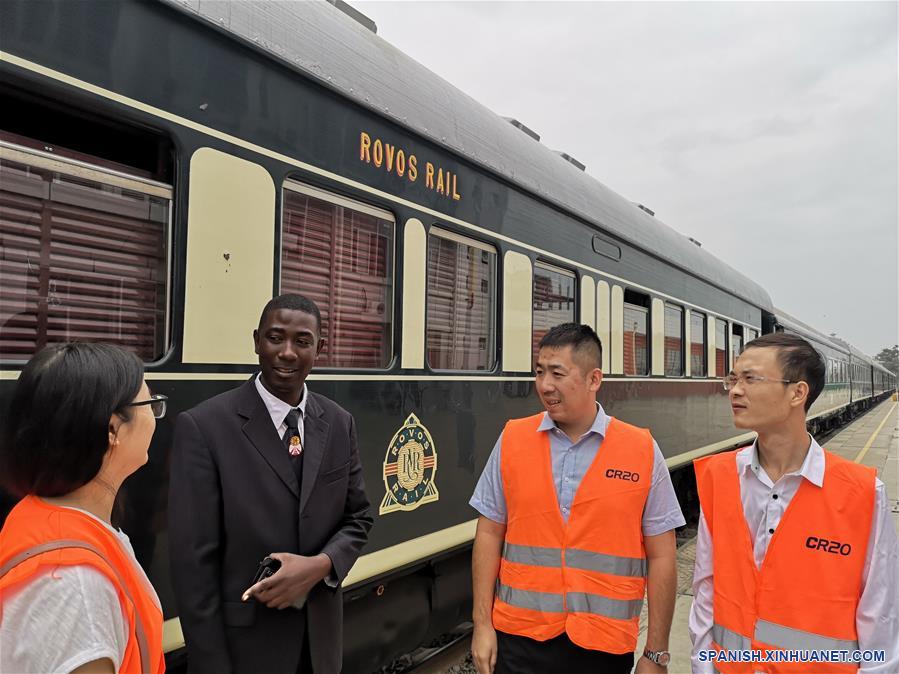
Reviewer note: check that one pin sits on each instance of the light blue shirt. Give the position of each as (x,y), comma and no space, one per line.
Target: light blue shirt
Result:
(570,461)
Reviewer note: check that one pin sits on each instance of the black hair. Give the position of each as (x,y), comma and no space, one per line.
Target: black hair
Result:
(798,360)
(294,302)
(57,427)
(582,339)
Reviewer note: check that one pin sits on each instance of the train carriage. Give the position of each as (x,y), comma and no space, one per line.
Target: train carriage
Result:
(835,402)
(165,167)
(884,381)
(861,378)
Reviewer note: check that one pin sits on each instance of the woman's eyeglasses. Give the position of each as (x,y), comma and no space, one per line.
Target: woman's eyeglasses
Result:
(157,405)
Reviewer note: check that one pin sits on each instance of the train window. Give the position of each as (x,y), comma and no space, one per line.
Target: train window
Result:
(461,301)
(339,253)
(674,341)
(736,342)
(697,345)
(636,329)
(84,254)
(554,299)
(721,365)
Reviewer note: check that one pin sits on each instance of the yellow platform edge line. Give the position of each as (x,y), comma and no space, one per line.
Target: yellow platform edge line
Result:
(861,454)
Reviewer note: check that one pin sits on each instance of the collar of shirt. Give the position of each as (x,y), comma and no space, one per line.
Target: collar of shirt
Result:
(276,407)
(600,423)
(812,468)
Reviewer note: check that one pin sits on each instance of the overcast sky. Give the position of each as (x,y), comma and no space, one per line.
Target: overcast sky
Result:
(767,131)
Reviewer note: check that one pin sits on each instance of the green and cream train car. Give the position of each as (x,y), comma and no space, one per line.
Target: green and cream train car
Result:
(167,166)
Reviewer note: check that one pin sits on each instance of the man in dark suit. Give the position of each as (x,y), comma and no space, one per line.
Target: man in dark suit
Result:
(267,469)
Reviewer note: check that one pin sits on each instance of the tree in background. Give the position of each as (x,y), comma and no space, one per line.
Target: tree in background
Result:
(889,358)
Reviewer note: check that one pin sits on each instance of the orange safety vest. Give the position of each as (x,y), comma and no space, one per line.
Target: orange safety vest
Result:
(805,595)
(37,535)
(586,577)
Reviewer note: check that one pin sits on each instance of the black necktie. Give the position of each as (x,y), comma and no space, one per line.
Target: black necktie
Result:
(293,443)
(291,438)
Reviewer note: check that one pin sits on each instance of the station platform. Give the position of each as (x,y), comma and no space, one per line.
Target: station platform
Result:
(872,439)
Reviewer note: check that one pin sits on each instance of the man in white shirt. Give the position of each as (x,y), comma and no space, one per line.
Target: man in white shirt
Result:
(823,575)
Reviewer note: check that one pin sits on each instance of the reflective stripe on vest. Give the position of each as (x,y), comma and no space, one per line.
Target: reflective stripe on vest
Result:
(790,638)
(620,609)
(576,559)
(532,555)
(611,564)
(577,602)
(729,640)
(779,636)
(546,602)
(139,631)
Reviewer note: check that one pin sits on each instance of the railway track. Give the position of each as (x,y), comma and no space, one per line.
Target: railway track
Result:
(447,653)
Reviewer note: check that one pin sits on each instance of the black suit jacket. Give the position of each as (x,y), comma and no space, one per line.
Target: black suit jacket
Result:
(234,499)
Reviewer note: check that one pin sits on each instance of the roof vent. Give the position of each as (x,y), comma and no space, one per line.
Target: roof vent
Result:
(355,14)
(518,125)
(571,160)
(646,210)
(692,240)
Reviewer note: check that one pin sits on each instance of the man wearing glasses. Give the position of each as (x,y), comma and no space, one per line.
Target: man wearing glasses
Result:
(796,553)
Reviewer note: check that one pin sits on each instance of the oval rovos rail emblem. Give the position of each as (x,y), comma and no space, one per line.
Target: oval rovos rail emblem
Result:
(410,468)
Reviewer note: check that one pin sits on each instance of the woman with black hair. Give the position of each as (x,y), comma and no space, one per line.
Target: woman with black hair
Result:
(72,596)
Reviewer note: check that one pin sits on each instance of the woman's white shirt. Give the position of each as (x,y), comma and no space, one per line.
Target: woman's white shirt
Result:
(63,618)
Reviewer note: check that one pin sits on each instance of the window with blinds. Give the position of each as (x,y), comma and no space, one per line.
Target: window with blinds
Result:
(461,302)
(697,345)
(554,300)
(736,342)
(339,254)
(635,341)
(722,367)
(674,341)
(83,255)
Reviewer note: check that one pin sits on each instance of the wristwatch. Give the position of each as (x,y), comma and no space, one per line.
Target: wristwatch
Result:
(661,658)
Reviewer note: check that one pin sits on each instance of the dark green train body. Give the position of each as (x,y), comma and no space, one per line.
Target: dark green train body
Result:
(153,102)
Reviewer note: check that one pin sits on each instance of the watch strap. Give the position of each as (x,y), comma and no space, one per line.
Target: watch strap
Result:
(657,656)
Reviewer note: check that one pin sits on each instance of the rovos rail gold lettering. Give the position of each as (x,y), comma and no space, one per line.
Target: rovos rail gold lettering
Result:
(394,159)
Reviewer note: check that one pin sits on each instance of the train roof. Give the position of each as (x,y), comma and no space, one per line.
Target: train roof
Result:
(804,329)
(856,353)
(881,368)
(325,44)
(788,321)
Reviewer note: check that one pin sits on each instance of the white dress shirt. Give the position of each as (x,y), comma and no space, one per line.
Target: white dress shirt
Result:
(764,503)
(278,409)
